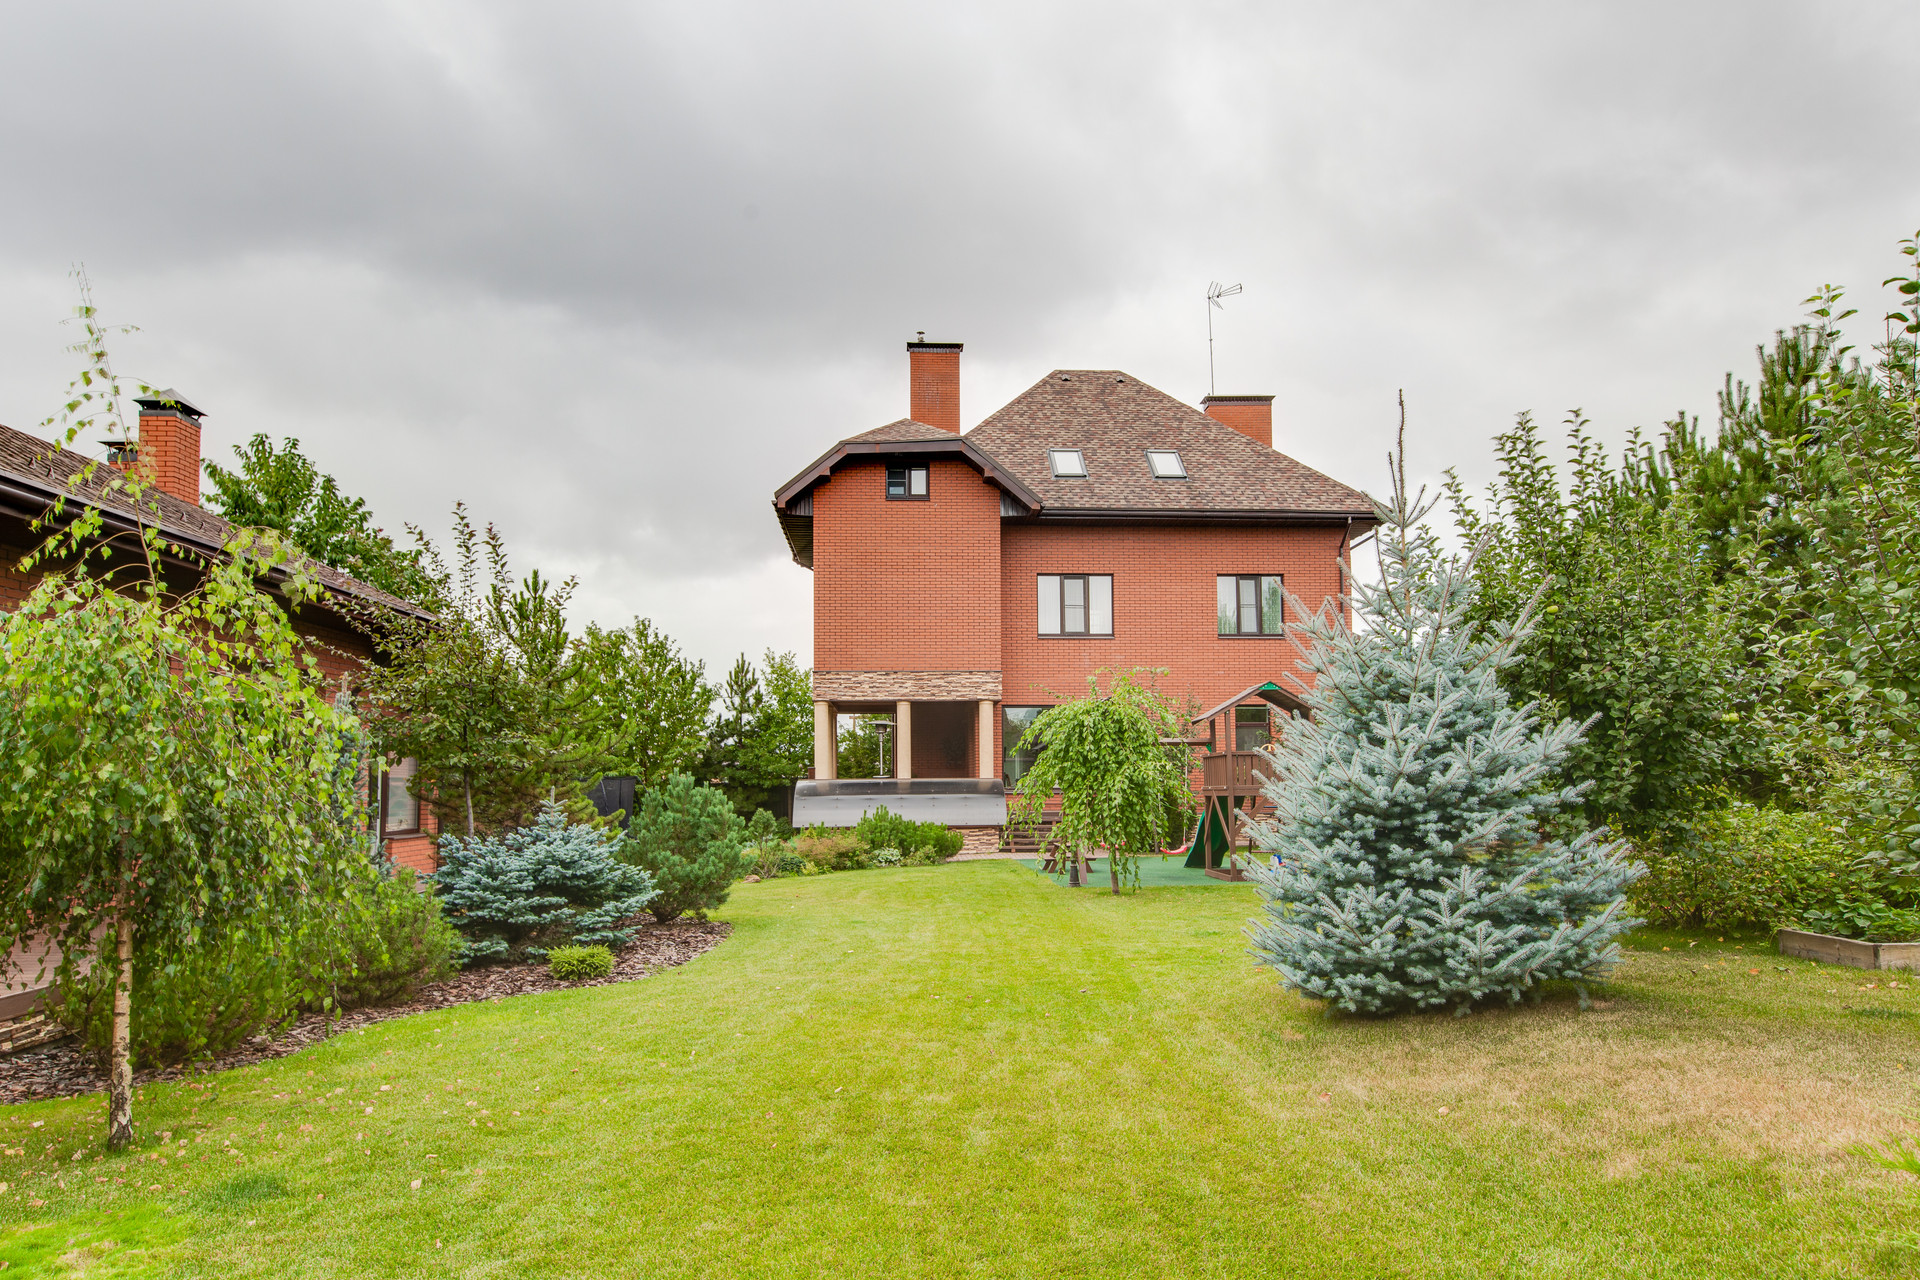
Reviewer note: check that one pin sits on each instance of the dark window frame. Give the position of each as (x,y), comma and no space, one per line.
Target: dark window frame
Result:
(1087,607)
(906,494)
(381,788)
(1260,631)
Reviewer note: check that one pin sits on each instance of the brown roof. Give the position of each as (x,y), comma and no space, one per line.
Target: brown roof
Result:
(903,430)
(1113,419)
(34,472)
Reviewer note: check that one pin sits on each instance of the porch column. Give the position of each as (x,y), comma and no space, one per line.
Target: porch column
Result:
(903,739)
(825,761)
(989,767)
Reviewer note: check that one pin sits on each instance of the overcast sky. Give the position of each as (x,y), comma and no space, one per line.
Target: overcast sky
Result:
(611,273)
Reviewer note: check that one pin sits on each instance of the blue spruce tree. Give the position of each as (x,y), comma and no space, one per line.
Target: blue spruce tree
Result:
(1419,864)
(551,884)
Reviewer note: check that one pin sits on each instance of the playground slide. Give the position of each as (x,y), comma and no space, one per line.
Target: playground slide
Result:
(1213,838)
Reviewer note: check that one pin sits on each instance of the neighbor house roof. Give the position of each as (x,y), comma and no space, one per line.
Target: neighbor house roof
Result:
(33,473)
(1113,418)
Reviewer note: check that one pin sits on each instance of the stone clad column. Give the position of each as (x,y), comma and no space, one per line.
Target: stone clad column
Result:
(989,767)
(903,739)
(825,747)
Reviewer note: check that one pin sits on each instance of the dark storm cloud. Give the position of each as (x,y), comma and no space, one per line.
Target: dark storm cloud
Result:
(612,272)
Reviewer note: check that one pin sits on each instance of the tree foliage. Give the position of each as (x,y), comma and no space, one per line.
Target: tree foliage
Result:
(173,778)
(691,842)
(1117,780)
(649,701)
(1634,636)
(1414,866)
(762,733)
(279,488)
(488,695)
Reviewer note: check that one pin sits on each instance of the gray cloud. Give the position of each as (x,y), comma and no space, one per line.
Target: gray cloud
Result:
(612,272)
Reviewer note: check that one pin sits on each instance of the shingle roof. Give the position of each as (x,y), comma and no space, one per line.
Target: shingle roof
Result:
(902,430)
(46,469)
(1113,419)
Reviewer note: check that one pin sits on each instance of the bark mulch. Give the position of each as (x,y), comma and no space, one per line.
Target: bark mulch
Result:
(63,1070)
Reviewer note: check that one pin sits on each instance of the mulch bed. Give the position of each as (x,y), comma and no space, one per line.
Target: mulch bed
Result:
(63,1070)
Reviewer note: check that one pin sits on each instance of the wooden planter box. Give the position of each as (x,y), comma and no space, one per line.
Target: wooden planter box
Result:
(1849,951)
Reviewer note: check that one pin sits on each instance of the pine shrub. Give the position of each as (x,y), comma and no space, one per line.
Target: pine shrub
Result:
(550,884)
(688,838)
(882,829)
(1415,865)
(389,942)
(579,964)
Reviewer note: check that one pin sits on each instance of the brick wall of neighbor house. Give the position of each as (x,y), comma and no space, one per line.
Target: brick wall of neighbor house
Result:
(906,586)
(14,583)
(1163,605)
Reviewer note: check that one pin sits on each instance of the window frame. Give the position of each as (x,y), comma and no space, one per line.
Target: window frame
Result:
(906,472)
(1262,719)
(382,788)
(1178,461)
(1053,465)
(1260,631)
(1086,605)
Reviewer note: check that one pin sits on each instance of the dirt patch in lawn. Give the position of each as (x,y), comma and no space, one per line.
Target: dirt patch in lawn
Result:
(64,1070)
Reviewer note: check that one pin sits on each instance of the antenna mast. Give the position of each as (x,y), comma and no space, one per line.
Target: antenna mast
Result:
(1215,292)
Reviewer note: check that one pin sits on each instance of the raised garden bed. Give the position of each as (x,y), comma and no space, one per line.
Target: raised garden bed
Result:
(1848,951)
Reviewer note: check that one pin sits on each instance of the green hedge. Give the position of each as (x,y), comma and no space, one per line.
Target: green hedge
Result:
(1749,864)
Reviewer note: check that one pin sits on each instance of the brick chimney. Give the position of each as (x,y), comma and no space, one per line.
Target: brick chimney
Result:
(1251,416)
(934,371)
(169,455)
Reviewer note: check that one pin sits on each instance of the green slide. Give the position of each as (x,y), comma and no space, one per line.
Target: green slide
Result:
(1213,838)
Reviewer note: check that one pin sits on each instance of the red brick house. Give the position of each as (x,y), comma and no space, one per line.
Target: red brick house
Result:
(33,473)
(964,581)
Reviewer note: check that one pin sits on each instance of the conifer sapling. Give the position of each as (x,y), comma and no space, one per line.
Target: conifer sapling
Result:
(1417,863)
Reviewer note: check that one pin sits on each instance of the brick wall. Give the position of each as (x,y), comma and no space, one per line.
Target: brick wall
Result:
(1164,606)
(906,586)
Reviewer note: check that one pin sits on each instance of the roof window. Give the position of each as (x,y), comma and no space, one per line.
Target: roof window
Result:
(1166,464)
(1067,462)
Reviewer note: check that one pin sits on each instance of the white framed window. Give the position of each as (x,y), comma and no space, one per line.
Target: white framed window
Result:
(1251,604)
(1076,604)
(1166,464)
(1066,462)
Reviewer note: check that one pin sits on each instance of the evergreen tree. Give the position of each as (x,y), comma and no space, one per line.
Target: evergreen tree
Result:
(1415,868)
(551,884)
(690,841)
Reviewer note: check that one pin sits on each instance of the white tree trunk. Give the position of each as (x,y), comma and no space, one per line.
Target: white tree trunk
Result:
(120,1082)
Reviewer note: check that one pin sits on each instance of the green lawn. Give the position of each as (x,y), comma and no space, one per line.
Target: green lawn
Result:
(970,1070)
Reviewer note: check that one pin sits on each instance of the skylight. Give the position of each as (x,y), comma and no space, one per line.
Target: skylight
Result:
(1067,462)
(1166,464)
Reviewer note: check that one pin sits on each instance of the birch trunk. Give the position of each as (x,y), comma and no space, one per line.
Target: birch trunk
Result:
(120,1081)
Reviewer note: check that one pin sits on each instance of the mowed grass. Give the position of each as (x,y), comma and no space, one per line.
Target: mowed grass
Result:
(968,1070)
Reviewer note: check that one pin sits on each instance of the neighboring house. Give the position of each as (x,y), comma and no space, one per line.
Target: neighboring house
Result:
(33,473)
(963,582)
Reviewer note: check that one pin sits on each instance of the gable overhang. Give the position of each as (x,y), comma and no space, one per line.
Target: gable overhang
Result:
(1266,691)
(847,451)
(1209,515)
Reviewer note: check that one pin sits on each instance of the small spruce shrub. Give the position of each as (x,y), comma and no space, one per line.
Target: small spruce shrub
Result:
(791,863)
(579,964)
(551,884)
(884,857)
(689,840)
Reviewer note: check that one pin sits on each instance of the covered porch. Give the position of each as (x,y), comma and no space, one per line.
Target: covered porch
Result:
(940,757)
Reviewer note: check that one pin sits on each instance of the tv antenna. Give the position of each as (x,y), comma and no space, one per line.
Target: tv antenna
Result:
(1215,292)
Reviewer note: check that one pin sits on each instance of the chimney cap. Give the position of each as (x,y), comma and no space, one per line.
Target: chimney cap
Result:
(167,400)
(1236,399)
(924,345)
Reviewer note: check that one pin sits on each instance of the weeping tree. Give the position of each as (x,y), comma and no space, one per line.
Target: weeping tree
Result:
(1118,779)
(173,777)
(1418,859)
